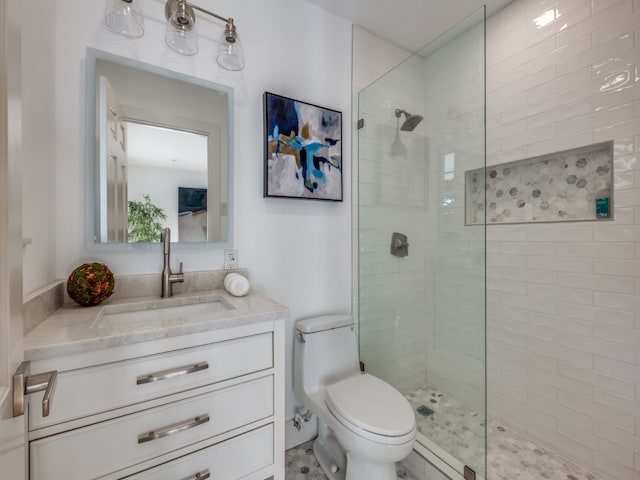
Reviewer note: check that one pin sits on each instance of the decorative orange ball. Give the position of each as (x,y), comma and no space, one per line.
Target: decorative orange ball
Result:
(90,284)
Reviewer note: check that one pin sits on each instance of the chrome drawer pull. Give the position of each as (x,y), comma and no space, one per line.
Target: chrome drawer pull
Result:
(203,475)
(171,373)
(171,429)
(25,384)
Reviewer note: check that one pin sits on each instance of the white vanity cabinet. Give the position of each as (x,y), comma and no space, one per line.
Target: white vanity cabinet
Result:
(195,406)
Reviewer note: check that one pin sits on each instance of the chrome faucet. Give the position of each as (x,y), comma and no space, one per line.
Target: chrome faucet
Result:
(168,278)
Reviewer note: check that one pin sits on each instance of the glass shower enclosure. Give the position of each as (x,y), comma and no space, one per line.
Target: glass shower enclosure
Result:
(421,244)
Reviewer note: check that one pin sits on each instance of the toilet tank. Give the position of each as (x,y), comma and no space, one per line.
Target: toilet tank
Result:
(325,351)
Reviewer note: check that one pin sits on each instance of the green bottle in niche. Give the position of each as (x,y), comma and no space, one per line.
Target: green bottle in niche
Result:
(603,207)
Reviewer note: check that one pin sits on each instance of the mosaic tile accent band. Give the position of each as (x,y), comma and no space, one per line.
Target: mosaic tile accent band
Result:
(571,185)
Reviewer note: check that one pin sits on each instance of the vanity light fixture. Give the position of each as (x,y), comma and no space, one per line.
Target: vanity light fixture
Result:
(181,36)
(124,17)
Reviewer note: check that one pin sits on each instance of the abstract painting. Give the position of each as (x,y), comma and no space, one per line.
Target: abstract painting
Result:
(303,150)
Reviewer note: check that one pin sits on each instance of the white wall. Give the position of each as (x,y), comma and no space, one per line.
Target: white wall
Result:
(38,146)
(298,252)
(564,299)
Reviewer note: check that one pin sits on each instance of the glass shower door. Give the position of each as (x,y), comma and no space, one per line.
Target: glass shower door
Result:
(421,248)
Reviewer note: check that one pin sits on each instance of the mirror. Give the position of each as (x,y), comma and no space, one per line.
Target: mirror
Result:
(159,153)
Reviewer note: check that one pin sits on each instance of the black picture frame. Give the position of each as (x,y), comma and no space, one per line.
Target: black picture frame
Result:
(302,150)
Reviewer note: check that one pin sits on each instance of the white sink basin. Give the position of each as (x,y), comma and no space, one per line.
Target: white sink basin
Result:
(160,314)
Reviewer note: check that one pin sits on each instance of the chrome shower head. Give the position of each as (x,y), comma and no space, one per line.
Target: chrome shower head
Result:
(411,121)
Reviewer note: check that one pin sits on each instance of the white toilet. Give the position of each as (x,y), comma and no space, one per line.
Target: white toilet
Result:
(365,425)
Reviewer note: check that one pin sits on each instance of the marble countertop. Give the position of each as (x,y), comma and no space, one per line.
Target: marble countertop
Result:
(75,329)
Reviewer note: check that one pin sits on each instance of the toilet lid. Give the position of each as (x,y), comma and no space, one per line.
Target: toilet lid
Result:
(372,405)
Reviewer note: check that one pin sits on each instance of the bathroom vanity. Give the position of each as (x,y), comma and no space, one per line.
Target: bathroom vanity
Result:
(189,387)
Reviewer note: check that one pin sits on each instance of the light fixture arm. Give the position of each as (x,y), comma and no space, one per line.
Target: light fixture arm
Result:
(184,5)
(208,12)
(230,30)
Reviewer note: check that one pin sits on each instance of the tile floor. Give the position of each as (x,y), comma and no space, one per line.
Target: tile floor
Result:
(302,465)
(457,429)
(460,431)
(511,455)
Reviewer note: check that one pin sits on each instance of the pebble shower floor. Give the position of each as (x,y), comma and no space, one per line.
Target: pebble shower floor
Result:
(511,455)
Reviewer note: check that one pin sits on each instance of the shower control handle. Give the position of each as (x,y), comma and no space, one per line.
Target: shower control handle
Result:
(399,245)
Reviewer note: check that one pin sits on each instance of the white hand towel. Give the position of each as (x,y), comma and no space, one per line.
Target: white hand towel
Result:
(236,284)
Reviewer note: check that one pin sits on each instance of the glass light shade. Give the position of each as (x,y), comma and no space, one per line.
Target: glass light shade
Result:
(124,17)
(230,55)
(182,41)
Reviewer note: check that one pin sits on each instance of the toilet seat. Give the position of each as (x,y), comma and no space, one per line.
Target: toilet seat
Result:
(372,409)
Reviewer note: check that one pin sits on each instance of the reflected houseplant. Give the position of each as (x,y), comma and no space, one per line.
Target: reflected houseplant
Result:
(144,220)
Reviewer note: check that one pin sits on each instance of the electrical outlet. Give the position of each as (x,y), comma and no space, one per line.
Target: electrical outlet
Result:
(230,259)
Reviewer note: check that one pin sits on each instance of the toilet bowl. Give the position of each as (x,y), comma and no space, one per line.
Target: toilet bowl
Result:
(365,425)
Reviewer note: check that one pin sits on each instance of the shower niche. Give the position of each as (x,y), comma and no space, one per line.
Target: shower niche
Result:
(572,185)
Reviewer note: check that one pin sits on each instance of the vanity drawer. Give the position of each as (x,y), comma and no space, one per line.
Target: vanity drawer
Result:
(125,441)
(88,391)
(233,459)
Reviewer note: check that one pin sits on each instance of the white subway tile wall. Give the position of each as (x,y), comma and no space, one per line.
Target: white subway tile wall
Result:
(421,317)
(455,295)
(564,300)
(389,290)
